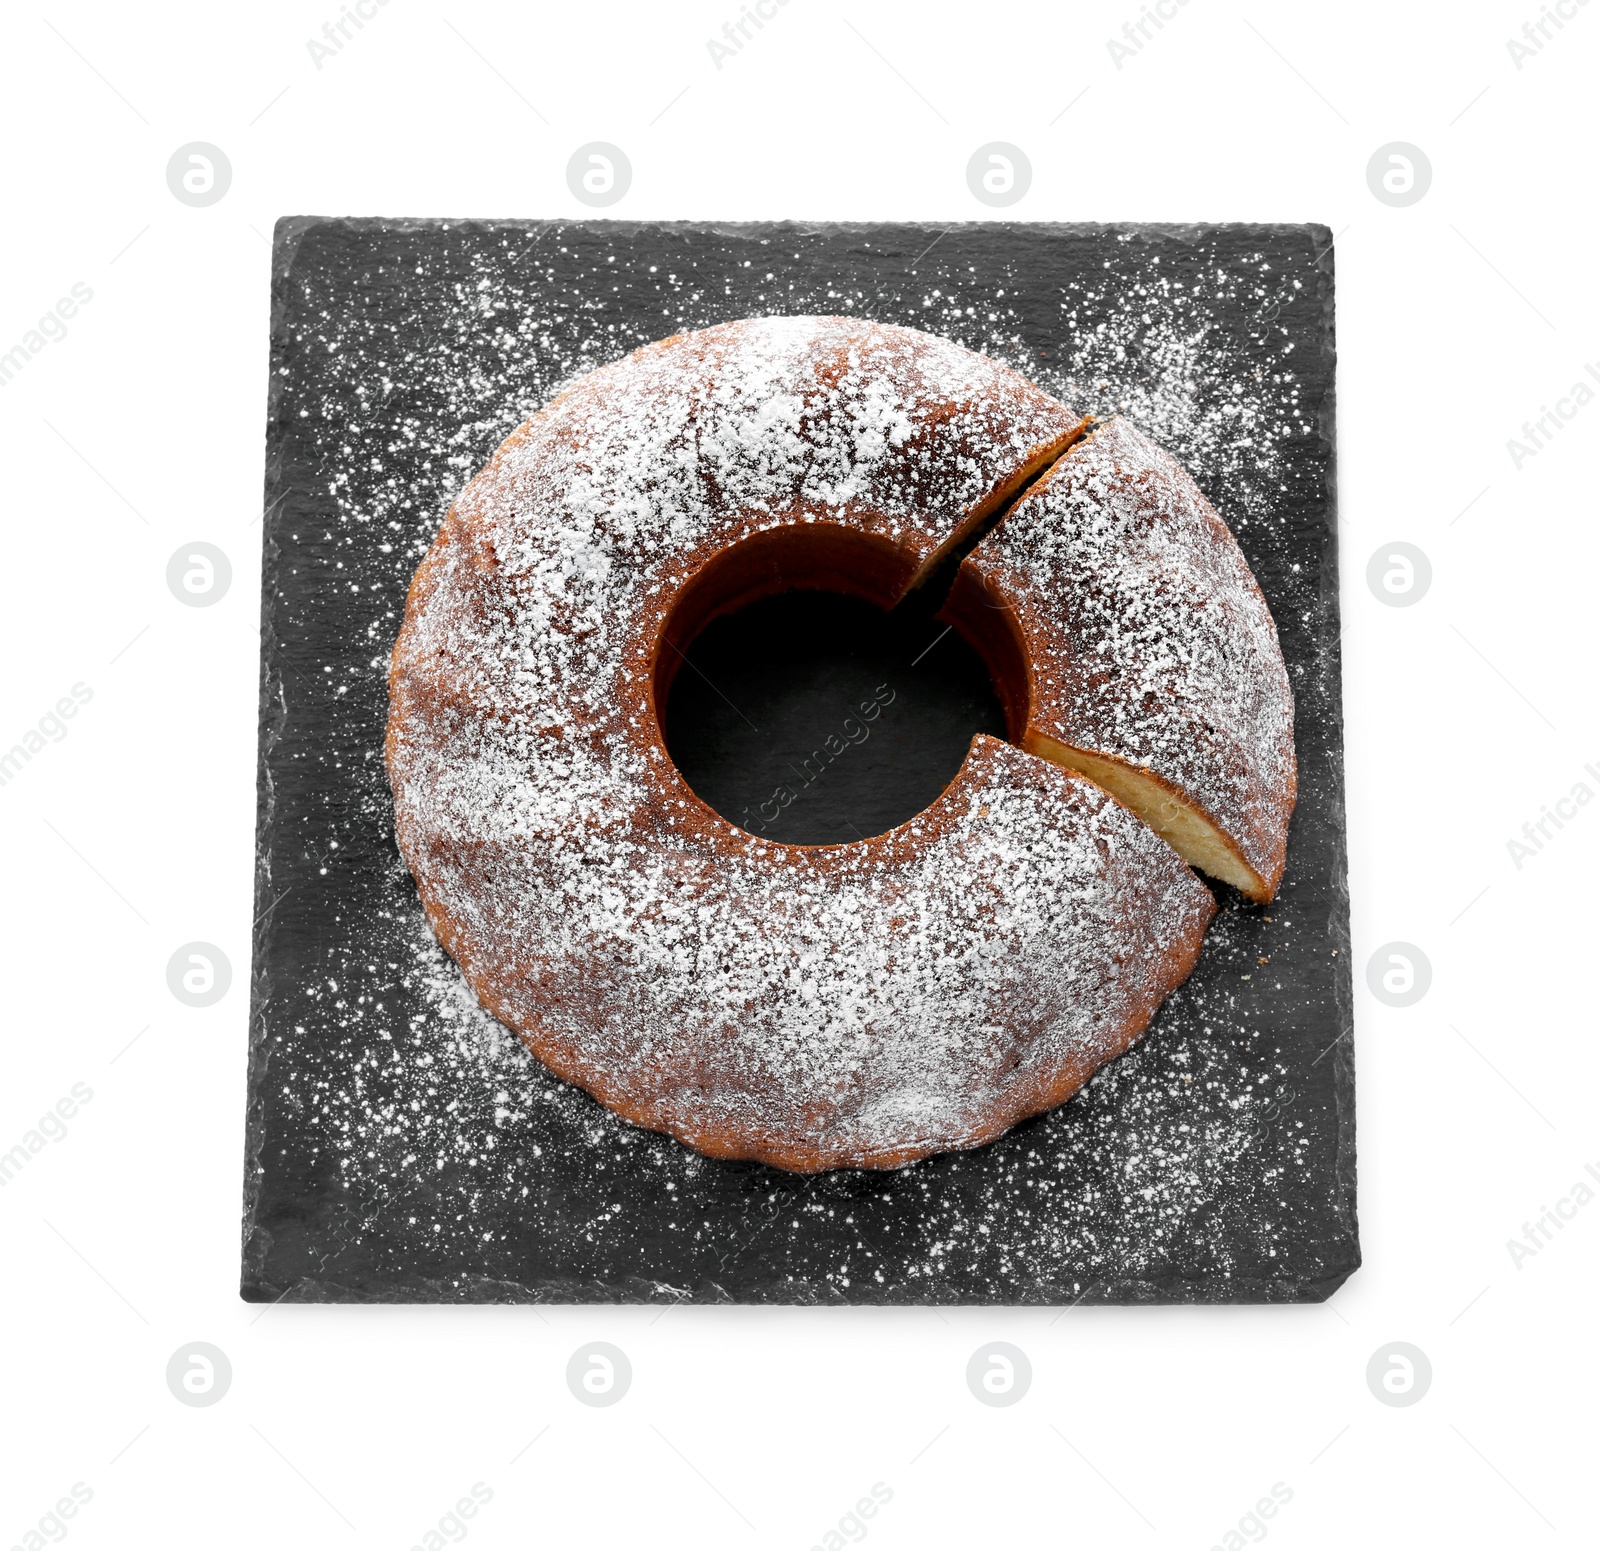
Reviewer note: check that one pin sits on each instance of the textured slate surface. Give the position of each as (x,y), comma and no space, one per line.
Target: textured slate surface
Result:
(400,1148)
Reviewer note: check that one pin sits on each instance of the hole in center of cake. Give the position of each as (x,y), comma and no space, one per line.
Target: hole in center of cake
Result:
(815,718)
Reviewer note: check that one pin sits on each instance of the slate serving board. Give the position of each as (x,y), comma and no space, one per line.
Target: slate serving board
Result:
(401,1146)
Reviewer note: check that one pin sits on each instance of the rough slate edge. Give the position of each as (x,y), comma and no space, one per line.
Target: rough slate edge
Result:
(475,1288)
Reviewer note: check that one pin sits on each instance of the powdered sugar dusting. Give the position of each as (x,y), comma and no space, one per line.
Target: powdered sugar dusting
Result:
(1165,351)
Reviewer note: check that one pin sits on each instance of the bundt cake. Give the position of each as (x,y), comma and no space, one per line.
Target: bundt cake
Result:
(856,1005)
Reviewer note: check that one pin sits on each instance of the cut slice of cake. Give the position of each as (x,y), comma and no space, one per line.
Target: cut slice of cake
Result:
(1150,660)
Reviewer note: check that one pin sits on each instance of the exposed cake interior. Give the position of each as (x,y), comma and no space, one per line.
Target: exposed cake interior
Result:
(1193,836)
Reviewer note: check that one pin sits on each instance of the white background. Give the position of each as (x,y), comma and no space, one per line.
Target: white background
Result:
(1459,317)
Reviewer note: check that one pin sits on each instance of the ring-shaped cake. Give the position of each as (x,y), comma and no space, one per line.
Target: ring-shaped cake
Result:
(857,1005)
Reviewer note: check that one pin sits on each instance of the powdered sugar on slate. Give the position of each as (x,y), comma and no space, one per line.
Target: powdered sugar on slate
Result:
(1173,1152)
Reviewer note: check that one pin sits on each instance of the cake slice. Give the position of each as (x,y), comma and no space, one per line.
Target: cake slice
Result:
(1146,657)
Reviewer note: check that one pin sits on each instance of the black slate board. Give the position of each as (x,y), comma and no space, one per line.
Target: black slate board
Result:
(401,1147)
